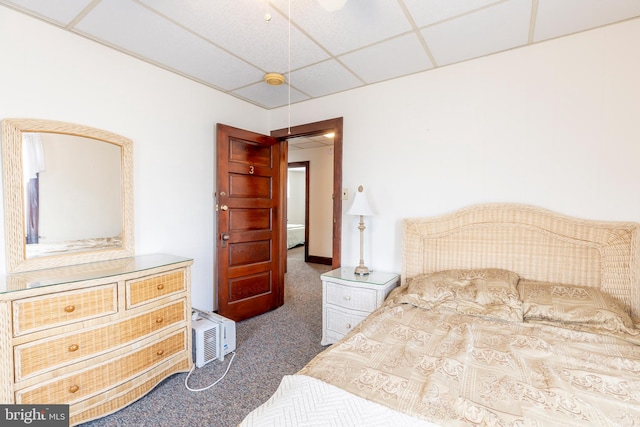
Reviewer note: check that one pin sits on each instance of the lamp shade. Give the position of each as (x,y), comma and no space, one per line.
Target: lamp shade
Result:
(360,205)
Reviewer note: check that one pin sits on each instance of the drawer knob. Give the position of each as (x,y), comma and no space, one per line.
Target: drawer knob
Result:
(70,308)
(74,388)
(159,320)
(73,347)
(160,352)
(348,325)
(347,297)
(160,286)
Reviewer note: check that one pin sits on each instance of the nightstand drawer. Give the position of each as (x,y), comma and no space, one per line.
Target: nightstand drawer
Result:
(85,383)
(351,297)
(62,308)
(342,322)
(154,287)
(42,355)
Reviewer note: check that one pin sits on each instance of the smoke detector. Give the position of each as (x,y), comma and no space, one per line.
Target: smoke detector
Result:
(274,79)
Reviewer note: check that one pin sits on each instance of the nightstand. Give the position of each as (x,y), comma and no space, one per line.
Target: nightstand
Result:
(348,298)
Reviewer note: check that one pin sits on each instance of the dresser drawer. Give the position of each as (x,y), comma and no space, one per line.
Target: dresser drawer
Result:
(351,297)
(42,355)
(47,311)
(75,387)
(341,322)
(151,288)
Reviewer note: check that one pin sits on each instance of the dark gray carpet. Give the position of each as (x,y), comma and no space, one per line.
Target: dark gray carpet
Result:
(269,346)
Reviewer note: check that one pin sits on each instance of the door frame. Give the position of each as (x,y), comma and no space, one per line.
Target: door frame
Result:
(304,164)
(335,126)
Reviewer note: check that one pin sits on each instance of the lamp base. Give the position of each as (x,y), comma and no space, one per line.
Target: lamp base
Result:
(361,270)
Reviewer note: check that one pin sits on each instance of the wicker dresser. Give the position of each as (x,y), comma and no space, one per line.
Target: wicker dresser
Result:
(96,336)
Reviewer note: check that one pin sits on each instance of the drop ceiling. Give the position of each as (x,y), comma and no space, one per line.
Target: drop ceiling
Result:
(230,45)
(313,141)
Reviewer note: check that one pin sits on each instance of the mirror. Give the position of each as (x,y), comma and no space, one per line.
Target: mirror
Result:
(68,194)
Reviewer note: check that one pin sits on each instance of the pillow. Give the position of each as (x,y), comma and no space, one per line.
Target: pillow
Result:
(488,292)
(569,304)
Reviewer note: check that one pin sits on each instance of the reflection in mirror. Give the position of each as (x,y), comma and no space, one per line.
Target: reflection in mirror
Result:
(69,179)
(68,194)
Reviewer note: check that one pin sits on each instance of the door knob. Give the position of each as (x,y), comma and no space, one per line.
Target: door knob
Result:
(224,207)
(224,237)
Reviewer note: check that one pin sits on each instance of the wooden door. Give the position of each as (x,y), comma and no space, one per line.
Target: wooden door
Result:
(250,216)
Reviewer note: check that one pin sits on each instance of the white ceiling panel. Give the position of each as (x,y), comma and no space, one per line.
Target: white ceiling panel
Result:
(59,11)
(323,79)
(229,45)
(138,30)
(397,57)
(427,12)
(360,23)
(306,142)
(270,96)
(558,18)
(240,27)
(493,29)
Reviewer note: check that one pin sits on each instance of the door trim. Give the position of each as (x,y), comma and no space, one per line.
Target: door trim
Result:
(305,165)
(334,125)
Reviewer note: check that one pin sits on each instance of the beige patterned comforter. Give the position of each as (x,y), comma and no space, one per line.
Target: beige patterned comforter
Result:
(460,370)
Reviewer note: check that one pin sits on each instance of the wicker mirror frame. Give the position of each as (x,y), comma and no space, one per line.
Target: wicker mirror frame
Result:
(15,240)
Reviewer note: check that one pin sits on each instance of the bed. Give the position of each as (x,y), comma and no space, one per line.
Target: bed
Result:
(295,235)
(507,315)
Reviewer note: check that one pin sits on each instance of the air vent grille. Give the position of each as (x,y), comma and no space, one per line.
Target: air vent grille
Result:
(210,345)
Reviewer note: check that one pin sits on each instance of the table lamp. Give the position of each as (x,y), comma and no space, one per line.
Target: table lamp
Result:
(360,207)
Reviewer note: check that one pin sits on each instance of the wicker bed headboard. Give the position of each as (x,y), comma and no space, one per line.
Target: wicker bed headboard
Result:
(535,243)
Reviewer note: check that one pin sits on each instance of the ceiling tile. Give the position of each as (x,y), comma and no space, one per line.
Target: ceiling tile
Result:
(270,96)
(308,144)
(359,23)
(142,32)
(393,58)
(426,12)
(324,78)
(494,29)
(557,18)
(239,26)
(59,11)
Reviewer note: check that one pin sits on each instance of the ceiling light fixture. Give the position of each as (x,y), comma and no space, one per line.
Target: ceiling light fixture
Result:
(274,79)
(277,79)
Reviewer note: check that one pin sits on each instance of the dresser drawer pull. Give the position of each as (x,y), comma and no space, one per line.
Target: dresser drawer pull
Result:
(70,308)
(159,320)
(160,352)
(73,347)
(347,297)
(74,388)
(348,325)
(160,286)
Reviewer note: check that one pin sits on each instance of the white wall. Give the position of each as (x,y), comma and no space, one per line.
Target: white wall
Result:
(51,74)
(296,194)
(554,124)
